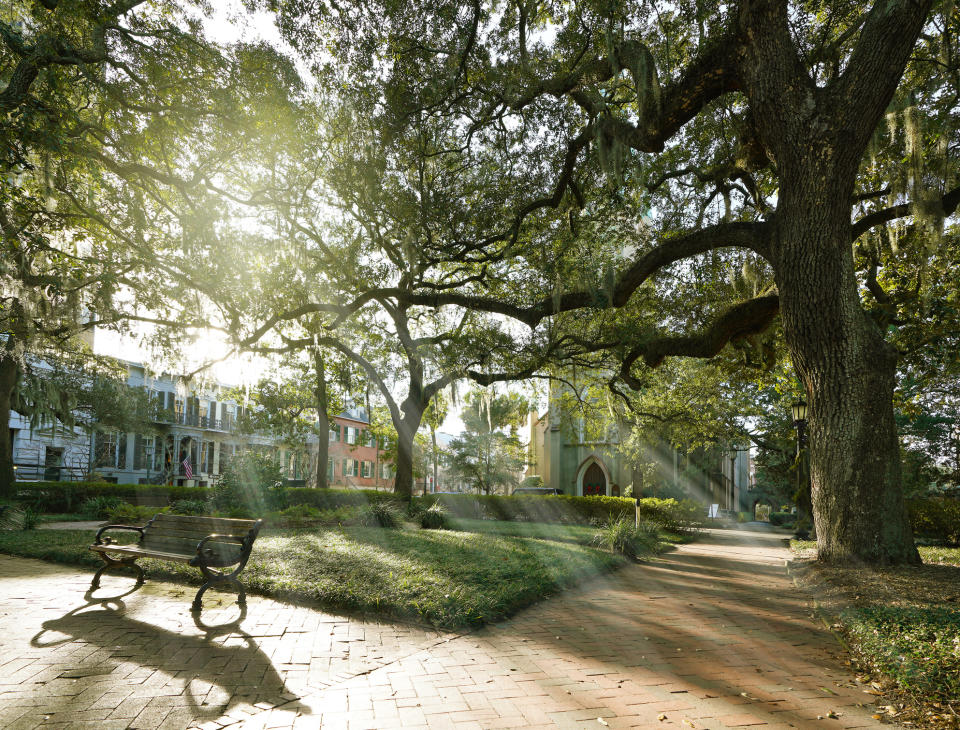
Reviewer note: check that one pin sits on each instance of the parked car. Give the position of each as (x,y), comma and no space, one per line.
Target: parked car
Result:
(537,490)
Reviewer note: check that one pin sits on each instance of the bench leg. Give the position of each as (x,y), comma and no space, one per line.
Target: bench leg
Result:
(197,605)
(110,563)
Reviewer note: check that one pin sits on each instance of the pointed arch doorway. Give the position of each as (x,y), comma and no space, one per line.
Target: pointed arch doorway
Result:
(594,480)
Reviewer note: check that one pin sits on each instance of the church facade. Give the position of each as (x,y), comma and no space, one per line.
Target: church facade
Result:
(576,463)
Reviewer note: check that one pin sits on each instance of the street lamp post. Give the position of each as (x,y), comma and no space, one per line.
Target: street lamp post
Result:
(799,409)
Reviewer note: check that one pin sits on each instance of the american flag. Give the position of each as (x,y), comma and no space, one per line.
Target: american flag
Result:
(186,468)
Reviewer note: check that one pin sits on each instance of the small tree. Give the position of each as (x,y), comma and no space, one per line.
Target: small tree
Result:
(489,454)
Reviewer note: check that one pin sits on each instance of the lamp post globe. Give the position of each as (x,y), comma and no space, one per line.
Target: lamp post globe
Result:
(799,410)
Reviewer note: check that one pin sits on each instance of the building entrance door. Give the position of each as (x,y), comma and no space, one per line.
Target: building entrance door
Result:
(594,482)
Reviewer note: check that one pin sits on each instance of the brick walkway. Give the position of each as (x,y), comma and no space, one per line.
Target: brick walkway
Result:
(711,636)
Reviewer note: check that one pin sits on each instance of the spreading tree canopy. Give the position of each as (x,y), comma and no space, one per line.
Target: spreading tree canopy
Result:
(794,140)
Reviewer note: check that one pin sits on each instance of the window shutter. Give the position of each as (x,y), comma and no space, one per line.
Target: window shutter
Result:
(137,451)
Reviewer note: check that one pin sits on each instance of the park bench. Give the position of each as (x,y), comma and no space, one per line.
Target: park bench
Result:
(212,544)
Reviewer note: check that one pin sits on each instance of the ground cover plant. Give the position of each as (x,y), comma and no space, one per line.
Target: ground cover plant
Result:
(902,627)
(445,578)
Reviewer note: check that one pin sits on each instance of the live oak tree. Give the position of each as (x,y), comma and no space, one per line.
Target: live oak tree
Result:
(777,129)
(301,398)
(98,103)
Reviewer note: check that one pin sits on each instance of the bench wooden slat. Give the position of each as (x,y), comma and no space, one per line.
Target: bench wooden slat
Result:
(220,524)
(140,552)
(169,530)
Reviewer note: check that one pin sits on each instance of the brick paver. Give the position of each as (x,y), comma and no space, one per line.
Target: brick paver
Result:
(710,636)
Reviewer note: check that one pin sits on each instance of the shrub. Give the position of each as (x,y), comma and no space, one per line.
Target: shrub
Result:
(532,482)
(189,507)
(30,518)
(936,518)
(98,508)
(434,518)
(326,499)
(625,537)
(250,486)
(782,519)
(675,515)
(380,514)
(300,515)
(133,514)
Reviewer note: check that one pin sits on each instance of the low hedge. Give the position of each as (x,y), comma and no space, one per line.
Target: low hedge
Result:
(667,513)
(936,518)
(68,496)
(533,508)
(670,514)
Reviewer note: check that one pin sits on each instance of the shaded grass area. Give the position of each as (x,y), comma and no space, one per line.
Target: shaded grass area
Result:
(902,625)
(444,578)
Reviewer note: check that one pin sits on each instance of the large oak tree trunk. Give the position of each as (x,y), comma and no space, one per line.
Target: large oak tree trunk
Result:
(406,431)
(9,372)
(848,371)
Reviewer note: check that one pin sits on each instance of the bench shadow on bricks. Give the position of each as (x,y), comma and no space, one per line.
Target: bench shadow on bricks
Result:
(236,670)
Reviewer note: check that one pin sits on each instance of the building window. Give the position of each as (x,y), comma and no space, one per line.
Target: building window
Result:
(351,467)
(350,435)
(385,471)
(330,467)
(105,448)
(369,439)
(367,469)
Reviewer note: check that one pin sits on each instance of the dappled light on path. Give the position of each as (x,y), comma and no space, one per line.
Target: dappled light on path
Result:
(709,636)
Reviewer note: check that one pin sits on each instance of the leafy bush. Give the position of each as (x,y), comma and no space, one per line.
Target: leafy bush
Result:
(30,518)
(189,507)
(434,518)
(625,537)
(98,508)
(675,515)
(936,518)
(380,514)
(782,519)
(250,486)
(532,482)
(325,499)
(919,648)
(300,515)
(133,514)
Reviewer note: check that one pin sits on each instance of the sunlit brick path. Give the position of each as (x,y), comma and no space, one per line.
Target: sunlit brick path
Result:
(711,636)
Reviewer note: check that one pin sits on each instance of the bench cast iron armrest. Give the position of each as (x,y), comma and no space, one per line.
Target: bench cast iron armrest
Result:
(114,527)
(221,538)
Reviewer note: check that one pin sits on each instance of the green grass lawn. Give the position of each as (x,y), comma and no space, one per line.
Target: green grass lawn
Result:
(445,578)
(580,534)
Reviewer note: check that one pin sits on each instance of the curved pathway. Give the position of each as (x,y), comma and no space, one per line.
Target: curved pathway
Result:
(712,635)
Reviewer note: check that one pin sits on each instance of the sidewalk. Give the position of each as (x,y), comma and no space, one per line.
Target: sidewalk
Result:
(710,636)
